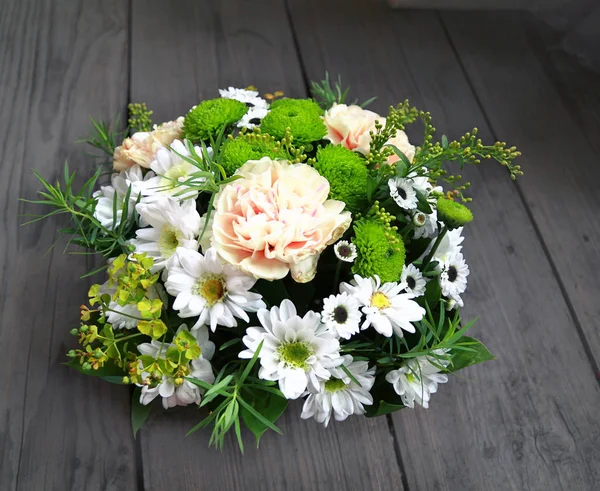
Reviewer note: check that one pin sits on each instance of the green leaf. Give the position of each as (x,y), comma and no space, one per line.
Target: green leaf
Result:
(268,407)
(109,372)
(403,164)
(139,412)
(433,293)
(476,353)
(372,184)
(383,408)
(444,141)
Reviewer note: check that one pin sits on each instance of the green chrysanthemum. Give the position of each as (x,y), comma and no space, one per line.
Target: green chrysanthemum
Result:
(453,214)
(208,117)
(301,116)
(237,151)
(380,250)
(347,175)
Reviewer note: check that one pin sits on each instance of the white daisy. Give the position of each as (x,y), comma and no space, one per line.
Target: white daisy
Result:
(403,193)
(419,377)
(453,303)
(206,288)
(248,97)
(253,117)
(345,251)
(453,276)
(120,184)
(341,315)
(340,395)
(425,224)
(450,244)
(171,170)
(128,316)
(297,351)
(385,308)
(172,225)
(178,393)
(412,281)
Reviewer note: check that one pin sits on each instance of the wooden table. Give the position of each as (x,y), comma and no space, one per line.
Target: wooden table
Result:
(528,421)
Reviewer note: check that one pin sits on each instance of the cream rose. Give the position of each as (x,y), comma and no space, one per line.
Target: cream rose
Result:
(276,219)
(351,126)
(400,141)
(143,145)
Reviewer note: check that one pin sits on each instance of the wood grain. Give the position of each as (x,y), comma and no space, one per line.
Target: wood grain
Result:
(203,47)
(59,63)
(527,420)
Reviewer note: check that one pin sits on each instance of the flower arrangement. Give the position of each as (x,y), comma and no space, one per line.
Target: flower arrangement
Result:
(259,250)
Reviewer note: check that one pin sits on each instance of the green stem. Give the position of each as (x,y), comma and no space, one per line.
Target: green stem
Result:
(436,244)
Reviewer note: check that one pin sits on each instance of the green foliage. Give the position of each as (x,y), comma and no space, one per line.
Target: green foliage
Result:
(347,175)
(105,136)
(139,412)
(140,117)
(79,206)
(453,214)
(208,118)
(301,116)
(469,352)
(249,146)
(329,95)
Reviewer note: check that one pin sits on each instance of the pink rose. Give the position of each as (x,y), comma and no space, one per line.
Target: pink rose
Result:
(350,126)
(143,145)
(276,219)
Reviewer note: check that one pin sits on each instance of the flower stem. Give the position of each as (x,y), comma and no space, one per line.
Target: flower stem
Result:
(336,277)
(436,244)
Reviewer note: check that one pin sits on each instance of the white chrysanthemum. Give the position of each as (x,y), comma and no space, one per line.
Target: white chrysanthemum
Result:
(297,351)
(340,395)
(128,316)
(419,377)
(248,97)
(450,245)
(453,303)
(171,170)
(206,288)
(185,393)
(341,314)
(172,225)
(412,280)
(425,224)
(453,276)
(403,193)
(120,184)
(385,308)
(253,117)
(345,251)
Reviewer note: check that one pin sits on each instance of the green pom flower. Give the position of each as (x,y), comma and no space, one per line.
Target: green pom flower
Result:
(208,117)
(235,152)
(347,175)
(453,214)
(301,116)
(380,250)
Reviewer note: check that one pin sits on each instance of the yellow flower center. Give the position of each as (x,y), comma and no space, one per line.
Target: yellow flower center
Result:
(295,354)
(168,241)
(174,175)
(380,301)
(334,385)
(410,378)
(211,288)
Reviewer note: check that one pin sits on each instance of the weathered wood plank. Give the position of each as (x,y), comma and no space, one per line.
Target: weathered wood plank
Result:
(527,420)
(212,45)
(559,187)
(59,63)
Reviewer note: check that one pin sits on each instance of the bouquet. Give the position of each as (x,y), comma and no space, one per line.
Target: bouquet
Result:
(259,250)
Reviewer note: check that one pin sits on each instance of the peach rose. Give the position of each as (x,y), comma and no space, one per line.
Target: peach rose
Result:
(400,141)
(350,126)
(276,219)
(143,145)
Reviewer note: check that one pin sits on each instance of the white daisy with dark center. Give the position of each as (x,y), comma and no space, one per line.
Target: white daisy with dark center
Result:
(258,108)
(412,280)
(172,225)
(345,251)
(298,352)
(453,276)
(425,224)
(340,396)
(419,377)
(341,314)
(385,308)
(403,193)
(216,293)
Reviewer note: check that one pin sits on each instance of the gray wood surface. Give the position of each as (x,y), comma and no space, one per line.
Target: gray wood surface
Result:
(524,106)
(59,63)
(525,421)
(211,46)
